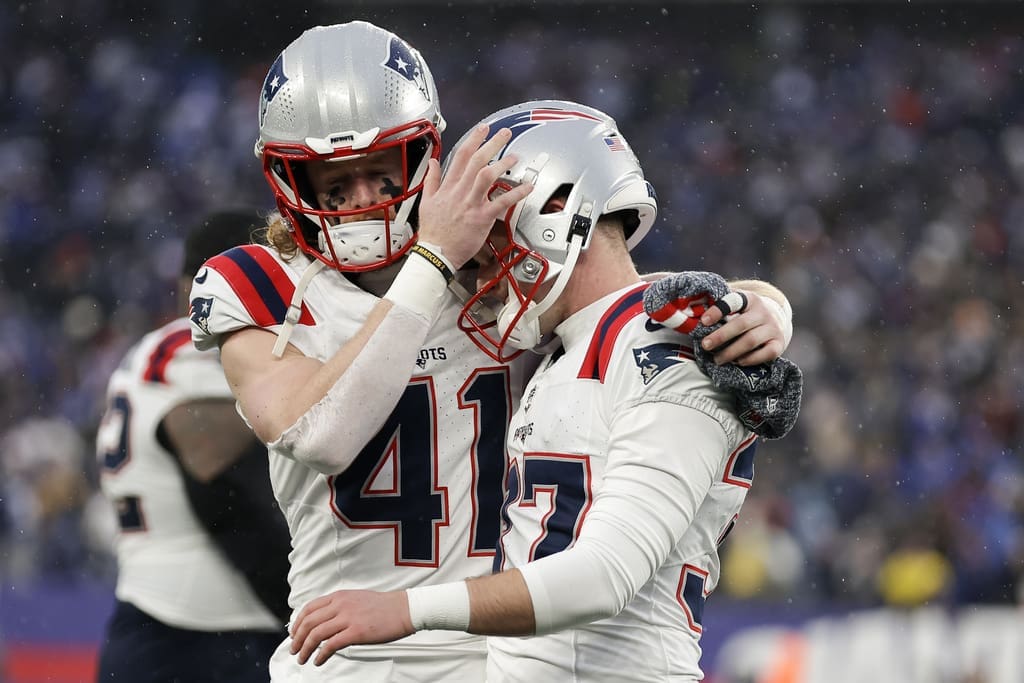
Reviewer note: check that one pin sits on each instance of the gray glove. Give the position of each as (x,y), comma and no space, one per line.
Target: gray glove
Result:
(767,395)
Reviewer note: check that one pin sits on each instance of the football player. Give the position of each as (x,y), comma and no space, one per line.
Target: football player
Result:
(627,464)
(385,424)
(202,548)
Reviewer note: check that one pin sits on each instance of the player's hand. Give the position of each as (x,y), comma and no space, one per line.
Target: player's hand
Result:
(457,212)
(755,329)
(759,331)
(332,622)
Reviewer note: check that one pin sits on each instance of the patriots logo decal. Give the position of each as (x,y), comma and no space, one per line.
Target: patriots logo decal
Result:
(272,84)
(755,375)
(657,357)
(402,62)
(522,121)
(199,313)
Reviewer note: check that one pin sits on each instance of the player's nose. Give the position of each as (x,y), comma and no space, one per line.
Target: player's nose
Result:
(364,193)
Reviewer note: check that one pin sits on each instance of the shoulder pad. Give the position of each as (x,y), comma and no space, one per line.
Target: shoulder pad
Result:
(246,286)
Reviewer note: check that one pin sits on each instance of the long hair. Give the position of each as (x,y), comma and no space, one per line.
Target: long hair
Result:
(277,235)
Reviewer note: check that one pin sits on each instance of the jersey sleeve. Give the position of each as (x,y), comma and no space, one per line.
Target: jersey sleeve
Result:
(671,432)
(659,366)
(245,286)
(653,486)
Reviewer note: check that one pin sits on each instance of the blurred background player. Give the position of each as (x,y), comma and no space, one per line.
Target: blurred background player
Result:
(202,547)
(385,423)
(627,465)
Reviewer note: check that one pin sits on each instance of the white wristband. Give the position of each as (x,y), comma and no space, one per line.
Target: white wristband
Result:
(444,607)
(419,287)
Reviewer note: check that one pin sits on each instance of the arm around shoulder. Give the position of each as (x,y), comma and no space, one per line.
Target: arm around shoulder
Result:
(768,291)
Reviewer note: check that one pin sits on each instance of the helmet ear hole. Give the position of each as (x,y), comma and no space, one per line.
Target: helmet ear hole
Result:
(556,202)
(630,219)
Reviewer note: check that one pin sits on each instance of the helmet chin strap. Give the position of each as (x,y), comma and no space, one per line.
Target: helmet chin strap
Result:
(526,334)
(291,318)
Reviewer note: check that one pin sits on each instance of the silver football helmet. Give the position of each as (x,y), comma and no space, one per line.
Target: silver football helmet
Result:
(569,152)
(339,93)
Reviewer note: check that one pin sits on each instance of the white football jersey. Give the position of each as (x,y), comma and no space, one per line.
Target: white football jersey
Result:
(420,504)
(167,564)
(621,392)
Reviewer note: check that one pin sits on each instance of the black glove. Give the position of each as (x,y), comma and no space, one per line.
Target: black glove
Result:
(767,395)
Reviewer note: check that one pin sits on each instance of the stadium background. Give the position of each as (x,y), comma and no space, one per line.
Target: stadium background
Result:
(866,157)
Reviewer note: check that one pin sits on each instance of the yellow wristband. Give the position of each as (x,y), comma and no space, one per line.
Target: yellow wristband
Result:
(434,260)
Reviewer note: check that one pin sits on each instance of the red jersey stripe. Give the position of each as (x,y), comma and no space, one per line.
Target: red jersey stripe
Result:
(599,353)
(156,368)
(260,283)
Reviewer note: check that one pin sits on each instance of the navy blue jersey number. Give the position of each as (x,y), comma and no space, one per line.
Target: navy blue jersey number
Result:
(412,502)
(115,454)
(559,480)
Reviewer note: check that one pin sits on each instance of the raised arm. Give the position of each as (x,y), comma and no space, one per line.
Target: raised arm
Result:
(322,413)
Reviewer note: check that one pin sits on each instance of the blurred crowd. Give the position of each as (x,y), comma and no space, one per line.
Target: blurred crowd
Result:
(867,158)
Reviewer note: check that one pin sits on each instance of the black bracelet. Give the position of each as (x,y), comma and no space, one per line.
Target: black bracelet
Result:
(434,260)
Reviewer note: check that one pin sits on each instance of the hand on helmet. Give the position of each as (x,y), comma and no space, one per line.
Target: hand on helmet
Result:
(456,212)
